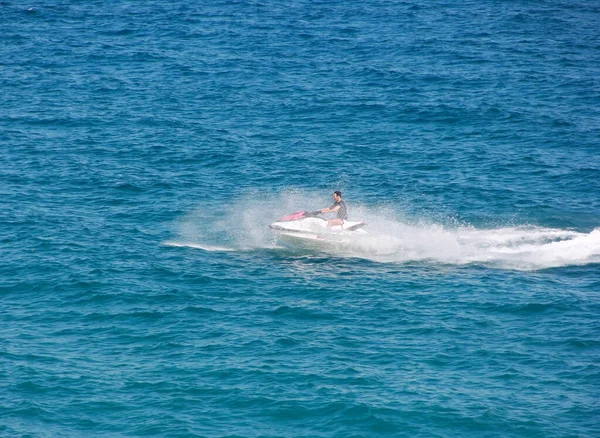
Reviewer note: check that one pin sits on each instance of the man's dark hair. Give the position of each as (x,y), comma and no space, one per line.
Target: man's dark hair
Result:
(337,192)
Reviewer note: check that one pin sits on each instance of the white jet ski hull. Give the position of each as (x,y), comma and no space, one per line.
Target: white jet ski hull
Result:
(316,241)
(313,232)
(315,226)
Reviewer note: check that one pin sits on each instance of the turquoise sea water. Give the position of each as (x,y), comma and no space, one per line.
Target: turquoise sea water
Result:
(145,147)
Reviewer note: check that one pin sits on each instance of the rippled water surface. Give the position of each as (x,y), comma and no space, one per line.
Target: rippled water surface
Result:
(146,147)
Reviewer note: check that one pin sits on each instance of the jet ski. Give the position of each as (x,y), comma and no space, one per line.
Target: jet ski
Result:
(307,229)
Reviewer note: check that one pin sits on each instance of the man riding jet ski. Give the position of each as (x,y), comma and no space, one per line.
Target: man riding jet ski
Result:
(303,226)
(338,207)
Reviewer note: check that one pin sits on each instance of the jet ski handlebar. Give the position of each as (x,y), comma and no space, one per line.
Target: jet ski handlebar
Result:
(300,215)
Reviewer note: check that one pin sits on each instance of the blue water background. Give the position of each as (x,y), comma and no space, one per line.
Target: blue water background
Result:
(145,147)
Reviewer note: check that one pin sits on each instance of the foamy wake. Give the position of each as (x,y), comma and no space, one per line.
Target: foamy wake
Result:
(524,248)
(191,244)
(392,240)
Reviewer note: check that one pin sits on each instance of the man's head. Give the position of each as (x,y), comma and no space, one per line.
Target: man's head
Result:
(337,195)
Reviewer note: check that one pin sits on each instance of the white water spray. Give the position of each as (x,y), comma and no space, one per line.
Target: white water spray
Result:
(390,239)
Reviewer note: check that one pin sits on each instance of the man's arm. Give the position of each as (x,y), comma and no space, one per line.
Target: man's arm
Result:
(331,209)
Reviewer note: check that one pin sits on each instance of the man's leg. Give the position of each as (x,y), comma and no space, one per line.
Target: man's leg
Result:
(334,222)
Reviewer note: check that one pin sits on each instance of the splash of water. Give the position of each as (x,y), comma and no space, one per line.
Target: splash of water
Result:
(523,248)
(391,238)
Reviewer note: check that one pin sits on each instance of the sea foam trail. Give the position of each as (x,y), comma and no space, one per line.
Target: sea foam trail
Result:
(523,248)
(212,248)
(389,239)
